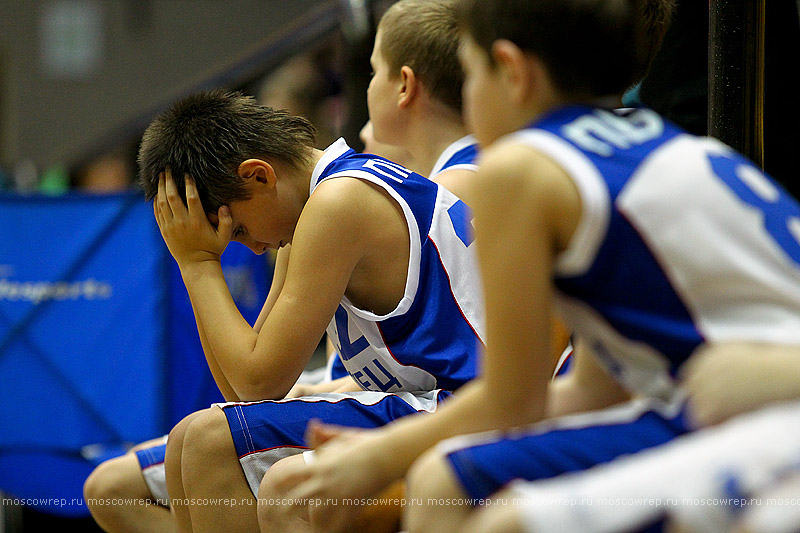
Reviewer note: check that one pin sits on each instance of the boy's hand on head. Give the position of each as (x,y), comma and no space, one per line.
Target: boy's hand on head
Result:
(185,228)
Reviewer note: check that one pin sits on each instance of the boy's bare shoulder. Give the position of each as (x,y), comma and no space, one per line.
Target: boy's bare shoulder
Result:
(350,204)
(457,181)
(346,194)
(523,170)
(514,159)
(529,179)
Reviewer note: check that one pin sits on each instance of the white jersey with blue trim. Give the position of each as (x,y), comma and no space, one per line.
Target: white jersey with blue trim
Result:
(431,339)
(681,241)
(459,155)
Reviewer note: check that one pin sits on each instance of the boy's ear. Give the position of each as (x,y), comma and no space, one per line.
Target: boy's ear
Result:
(259,170)
(409,85)
(514,66)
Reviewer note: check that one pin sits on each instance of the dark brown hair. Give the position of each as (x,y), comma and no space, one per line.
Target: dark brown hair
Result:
(208,135)
(591,48)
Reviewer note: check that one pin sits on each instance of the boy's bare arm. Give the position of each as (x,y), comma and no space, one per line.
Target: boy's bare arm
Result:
(265,364)
(586,387)
(729,378)
(279,274)
(219,377)
(344,384)
(278,277)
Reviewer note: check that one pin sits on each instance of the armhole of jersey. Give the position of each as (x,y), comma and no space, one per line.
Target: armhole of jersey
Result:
(415,251)
(595,201)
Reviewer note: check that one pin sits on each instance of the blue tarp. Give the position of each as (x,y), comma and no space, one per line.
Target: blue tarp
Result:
(98,345)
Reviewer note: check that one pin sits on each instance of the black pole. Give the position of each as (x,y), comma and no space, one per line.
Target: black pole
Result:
(736,75)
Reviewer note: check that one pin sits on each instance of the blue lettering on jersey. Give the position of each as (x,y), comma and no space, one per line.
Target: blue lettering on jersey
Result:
(755,189)
(347,349)
(383,386)
(459,214)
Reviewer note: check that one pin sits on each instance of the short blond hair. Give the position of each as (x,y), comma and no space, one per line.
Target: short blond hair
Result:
(423,35)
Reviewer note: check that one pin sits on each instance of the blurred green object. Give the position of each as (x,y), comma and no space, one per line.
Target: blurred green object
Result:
(55,180)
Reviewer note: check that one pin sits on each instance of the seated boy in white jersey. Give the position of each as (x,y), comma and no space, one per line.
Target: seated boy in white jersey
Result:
(414,100)
(651,241)
(414,97)
(393,279)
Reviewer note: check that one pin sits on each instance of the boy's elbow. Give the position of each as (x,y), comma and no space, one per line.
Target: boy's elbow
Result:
(257,391)
(257,386)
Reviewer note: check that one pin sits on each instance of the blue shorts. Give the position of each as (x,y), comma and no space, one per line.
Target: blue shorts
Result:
(265,432)
(151,461)
(486,462)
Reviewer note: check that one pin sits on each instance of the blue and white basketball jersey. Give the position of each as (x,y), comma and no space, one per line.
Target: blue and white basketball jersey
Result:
(681,241)
(459,155)
(432,338)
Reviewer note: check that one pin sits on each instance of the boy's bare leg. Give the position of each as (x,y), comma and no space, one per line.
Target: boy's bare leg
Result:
(501,516)
(213,479)
(272,515)
(434,493)
(172,467)
(115,482)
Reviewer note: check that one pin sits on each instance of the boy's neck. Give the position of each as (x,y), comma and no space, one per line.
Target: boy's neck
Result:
(314,158)
(429,137)
(301,178)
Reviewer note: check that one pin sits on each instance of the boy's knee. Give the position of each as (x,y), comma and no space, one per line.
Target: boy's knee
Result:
(431,476)
(270,488)
(275,510)
(109,480)
(207,435)
(177,434)
(433,491)
(112,482)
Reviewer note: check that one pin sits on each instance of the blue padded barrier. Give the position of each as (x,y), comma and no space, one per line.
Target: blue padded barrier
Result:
(98,344)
